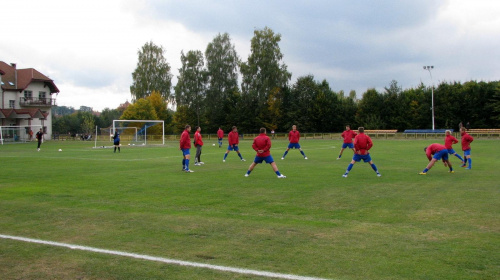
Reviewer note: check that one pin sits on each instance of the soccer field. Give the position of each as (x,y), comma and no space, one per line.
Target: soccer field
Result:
(312,224)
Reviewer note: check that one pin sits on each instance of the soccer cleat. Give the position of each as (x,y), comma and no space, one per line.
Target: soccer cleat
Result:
(243,159)
(468,168)
(282,158)
(345,175)
(223,160)
(189,171)
(38,150)
(422,173)
(197,164)
(463,165)
(246,175)
(281,176)
(201,162)
(305,157)
(338,158)
(451,171)
(379,175)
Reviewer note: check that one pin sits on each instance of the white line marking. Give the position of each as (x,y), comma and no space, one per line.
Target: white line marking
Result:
(164,260)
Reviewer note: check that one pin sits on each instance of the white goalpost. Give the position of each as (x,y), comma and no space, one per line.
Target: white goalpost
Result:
(18,133)
(143,130)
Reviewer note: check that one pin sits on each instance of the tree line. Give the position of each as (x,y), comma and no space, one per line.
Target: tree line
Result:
(216,89)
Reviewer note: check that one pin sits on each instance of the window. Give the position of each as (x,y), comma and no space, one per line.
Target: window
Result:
(12,103)
(28,94)
(42,94)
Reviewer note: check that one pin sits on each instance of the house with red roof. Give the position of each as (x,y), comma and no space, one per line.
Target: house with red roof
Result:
(26,99)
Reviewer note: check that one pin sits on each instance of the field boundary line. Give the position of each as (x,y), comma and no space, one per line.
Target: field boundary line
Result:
(164,260)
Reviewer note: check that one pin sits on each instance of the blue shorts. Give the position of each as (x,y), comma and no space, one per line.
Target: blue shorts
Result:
(233,148)
(467,152)
(451,151)
(348,145)
(185,152)
(268,159)
(443,154)
(365,158)
(294,146)
(116,143)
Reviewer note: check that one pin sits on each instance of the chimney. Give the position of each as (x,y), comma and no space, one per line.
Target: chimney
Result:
(13,65)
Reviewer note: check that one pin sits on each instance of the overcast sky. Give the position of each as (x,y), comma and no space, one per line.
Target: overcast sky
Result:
(89,48)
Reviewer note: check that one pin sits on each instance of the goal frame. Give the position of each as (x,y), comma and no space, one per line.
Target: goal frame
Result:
(145,131)
(2,139)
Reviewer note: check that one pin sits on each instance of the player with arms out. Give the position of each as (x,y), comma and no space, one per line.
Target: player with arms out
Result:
(294,137)
(348,135)
(435,152)
(362,144)
(449,140)
(233,139)
(262,145)
(466,140)
(220,135)
(184,146)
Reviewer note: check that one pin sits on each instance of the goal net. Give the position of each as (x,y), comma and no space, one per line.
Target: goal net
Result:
(133,132)
(18,134)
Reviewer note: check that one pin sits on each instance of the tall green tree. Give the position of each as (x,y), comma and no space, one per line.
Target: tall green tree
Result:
(222,78)
(263,72)
(192,82)
(151,74)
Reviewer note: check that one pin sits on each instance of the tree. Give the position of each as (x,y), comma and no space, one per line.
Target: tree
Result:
(88,124)
(151,74)
(191,86)
(263,72)
(222,78)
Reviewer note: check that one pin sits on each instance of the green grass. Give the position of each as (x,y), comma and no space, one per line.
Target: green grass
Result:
(313,223)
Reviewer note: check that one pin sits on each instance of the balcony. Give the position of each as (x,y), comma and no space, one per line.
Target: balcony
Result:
(38,102)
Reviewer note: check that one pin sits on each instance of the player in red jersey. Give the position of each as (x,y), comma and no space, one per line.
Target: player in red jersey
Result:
(348,135)
(449,140)
(220,135)
(184,146)
(294,137)
(233,139)
(435,152)
(466,140)
(362,143)
(262,145)
(198,143)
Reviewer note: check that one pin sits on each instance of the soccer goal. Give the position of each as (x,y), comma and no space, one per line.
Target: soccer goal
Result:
(152,131)
(18,134)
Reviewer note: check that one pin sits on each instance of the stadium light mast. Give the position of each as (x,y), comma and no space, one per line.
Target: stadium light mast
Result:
(428,68)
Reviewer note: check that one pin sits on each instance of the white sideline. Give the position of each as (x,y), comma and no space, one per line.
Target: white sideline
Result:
(164,260)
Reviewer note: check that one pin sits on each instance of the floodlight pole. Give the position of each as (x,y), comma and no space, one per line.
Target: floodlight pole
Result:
(428,68)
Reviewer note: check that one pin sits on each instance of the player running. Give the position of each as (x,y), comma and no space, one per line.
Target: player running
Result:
(434,153)
(184,146)
(362,144)
(262,145)
(294,137)
(466,140)
(233,139)
(449,140)
(348,135)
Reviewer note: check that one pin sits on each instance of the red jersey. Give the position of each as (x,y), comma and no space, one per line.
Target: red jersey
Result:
(466,140)
(362,143)
(348,135)
(197,139)
(449,140)
(185,142)
(220,133)
(232,138)
(262,142)
(433,149)
(294,136)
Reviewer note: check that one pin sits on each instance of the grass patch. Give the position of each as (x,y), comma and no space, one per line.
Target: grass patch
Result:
(313,223)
